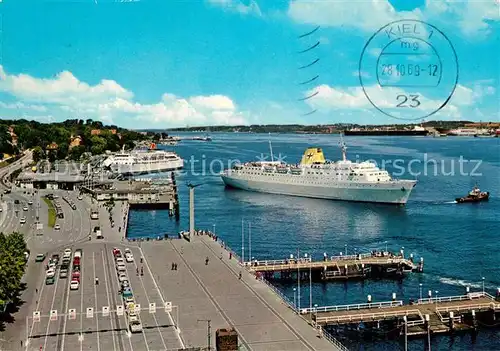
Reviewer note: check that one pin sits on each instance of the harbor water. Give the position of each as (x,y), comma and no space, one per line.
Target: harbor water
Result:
(459,242)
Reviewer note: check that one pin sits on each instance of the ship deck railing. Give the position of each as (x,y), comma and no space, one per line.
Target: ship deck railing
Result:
(350,307)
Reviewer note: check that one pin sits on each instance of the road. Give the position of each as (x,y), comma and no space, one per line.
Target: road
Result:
(88,318)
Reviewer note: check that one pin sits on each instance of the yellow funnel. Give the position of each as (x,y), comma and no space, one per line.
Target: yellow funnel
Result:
(312,155)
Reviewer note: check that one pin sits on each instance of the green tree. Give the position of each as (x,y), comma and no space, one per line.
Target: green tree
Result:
(52,156)
(5,140)
(76,152)
(98,145)
(12,265)
(62,151)
(38,154)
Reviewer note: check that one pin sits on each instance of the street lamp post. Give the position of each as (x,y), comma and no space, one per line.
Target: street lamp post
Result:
(298,280)
(437,292)
(483,285)
(345,249)
(295,297)
(420,287)
(386,246)
(315,312)
(310,284)
(209,327)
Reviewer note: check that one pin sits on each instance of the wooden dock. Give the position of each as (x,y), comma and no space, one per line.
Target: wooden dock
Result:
(437,315)
(337,267)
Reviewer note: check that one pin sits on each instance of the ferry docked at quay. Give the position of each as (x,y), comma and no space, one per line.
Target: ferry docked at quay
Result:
(317,178)
(147,161)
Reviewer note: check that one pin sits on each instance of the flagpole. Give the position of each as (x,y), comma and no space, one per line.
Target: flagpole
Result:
(242,243)
(249,241)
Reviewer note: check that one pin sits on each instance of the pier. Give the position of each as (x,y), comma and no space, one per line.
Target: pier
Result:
(427,315)
(160,193)
(360,266)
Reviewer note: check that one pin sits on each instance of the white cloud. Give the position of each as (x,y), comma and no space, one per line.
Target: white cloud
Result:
(64,88)
(213,102)
(238,6)
(22,106)
(67,97)
(470,16)
(375,52)
(335,98)
(368,14)
(362,74)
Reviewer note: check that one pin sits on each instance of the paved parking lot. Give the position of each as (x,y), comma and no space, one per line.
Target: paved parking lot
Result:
(100,331)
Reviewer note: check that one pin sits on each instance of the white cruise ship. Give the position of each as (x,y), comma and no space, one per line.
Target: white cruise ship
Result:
(143,162)
(314,177)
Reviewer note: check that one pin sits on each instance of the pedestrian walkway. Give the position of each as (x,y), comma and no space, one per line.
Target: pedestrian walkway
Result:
(215,292)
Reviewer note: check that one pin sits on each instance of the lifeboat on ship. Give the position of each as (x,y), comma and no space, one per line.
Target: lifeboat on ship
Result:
(282,169)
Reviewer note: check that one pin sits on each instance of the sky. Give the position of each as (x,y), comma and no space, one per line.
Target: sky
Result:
(163,64)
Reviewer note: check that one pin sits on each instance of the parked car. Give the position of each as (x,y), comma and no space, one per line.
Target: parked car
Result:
(57,227)
(128,300)
(50,280)
(55,258)
(22,220)
(50,273)
(74,285)
(129,258)
(67,253)
(135,326)
(121,267)
(25,208)
(75,276)
(122,277)
(40,257)
(63,273)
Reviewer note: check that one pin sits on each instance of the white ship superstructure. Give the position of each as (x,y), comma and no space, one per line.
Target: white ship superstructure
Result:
(468,132)
(143,162)
(314,177)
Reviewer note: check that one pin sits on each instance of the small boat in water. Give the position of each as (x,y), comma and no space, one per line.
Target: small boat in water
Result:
(476,195)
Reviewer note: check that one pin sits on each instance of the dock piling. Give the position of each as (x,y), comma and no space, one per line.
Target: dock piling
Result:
(452,321)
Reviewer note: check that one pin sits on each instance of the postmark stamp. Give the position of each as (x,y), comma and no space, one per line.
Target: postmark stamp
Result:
(408,69)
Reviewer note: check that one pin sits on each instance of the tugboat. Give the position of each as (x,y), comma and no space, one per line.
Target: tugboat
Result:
(476,195)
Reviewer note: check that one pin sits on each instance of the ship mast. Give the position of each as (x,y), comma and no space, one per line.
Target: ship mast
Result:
(343,147)
(271,148)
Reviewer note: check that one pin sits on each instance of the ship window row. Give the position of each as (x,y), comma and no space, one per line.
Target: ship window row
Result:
(327,183)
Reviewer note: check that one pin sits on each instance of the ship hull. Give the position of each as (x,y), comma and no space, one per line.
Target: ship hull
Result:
(396,192)
(138,169)
(387,132)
